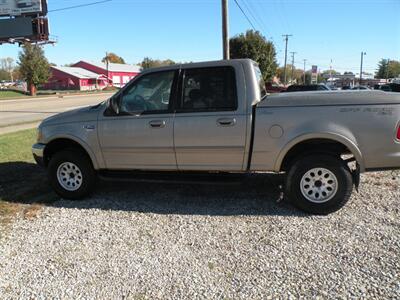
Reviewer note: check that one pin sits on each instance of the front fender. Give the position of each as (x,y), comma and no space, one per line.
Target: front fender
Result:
(82,143)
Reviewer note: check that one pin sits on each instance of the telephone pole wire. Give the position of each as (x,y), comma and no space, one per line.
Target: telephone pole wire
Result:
(225,35)
(286,36)
(291,77)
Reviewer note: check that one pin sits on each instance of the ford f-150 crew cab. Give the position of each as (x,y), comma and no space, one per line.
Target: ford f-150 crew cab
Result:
(215,117)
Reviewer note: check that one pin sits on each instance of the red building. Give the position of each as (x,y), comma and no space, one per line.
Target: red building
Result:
(64,78)
(118,74)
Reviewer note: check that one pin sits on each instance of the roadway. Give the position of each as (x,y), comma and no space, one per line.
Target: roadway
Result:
(21,114)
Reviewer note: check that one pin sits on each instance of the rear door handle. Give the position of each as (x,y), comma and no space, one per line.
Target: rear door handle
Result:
(226,121)
(157,123)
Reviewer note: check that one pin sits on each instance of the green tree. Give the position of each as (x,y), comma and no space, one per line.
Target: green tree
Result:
(280,73)
(17,73)
(254,45)
(298,75)
(113,58)
(388,69)
(33,66)
(7,64)
(329,71)
(4,75)
(154,63)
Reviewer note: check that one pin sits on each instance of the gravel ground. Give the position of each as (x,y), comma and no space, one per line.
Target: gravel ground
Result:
(222,242)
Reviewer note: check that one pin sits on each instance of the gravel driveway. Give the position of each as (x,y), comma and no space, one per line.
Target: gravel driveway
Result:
(168,241)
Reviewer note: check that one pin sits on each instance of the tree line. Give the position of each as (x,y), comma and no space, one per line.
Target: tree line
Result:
(34,68)
(8,69)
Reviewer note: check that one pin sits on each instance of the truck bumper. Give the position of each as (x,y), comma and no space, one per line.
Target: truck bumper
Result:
(38,152)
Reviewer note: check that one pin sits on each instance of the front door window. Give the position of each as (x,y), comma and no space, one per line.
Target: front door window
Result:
(151,93)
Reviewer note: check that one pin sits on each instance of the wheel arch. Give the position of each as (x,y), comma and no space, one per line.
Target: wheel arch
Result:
(327,142)
(64,142)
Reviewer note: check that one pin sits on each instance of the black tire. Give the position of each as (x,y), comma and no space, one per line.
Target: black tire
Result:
(86,171)
(335,165)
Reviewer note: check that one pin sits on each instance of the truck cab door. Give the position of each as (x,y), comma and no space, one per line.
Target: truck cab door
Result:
(140,136)
(210,124)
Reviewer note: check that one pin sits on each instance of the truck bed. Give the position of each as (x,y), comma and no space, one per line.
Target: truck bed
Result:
(321,98)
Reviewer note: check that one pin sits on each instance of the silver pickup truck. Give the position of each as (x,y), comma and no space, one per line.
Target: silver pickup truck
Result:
(215,118)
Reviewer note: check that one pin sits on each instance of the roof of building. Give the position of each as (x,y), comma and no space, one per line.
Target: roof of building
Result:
(116,67)
(78,72)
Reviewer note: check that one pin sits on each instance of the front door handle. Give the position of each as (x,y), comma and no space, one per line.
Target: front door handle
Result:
(226,121)
(157,123)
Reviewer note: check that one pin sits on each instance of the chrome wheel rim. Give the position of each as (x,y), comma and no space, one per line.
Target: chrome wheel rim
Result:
(319,185)
(69,176)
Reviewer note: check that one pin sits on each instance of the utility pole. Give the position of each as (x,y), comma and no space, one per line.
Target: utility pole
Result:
(284,68)
(225,35)
(387,70)
(304,71)
(291,77)
(330,72)
(361,66)
(107,68)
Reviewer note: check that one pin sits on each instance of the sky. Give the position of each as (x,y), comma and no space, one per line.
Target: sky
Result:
(190,30)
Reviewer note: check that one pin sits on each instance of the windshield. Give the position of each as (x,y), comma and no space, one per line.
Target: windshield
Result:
(260,81)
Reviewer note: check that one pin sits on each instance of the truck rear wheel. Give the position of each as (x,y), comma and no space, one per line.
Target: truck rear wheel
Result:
(71,174)
(319,184)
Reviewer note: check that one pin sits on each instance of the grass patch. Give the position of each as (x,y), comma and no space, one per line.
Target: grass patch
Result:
(11,94)
(15,94)
(21,180)
(17,146)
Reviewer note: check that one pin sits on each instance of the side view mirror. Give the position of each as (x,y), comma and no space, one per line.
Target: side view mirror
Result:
(165,98)
(114,103)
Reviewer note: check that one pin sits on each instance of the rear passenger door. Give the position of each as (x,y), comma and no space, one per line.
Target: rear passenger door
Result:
(209,126)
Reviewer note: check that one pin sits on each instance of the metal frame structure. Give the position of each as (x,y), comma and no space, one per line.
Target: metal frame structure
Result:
(43,12)
(39,28)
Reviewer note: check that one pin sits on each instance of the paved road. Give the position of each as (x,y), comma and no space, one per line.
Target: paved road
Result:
(23,114)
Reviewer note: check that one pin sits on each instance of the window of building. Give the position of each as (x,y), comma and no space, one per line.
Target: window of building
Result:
(125,79)
(116,80)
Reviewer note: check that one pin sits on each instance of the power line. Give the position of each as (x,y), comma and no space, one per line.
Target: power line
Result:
(241,9)
(256,13)
(78,6)
(258,8)
(251,13)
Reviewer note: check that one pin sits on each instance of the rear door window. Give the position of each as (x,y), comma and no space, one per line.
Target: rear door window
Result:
(208,89)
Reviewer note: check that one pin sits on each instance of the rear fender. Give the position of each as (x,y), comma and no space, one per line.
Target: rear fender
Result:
(321,135)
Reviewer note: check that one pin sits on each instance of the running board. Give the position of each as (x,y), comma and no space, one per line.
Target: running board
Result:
(173,177)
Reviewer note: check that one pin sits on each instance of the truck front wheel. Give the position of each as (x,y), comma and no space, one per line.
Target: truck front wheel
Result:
(71,174)
(319,184)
